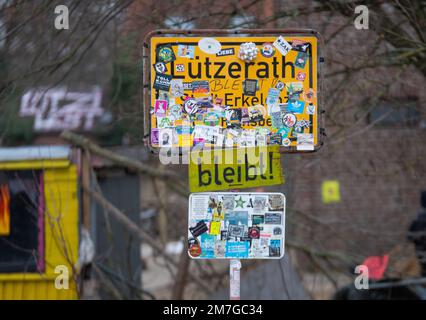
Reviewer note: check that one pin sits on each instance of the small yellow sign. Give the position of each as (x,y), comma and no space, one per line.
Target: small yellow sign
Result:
(226,169)
(330,191)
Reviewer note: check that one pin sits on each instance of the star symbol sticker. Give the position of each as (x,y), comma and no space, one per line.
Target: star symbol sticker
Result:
(239,203)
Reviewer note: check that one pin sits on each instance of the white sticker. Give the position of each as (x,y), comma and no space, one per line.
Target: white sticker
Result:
(283,46)
(305,141)
(176,87)
(209,45)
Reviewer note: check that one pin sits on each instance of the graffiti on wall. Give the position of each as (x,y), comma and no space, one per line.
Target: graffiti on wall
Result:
(58,108)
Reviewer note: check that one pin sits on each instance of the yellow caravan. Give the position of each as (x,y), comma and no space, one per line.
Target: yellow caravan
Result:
(39,213)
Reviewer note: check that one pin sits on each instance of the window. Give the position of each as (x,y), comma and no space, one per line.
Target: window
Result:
(22,249)
(395,113)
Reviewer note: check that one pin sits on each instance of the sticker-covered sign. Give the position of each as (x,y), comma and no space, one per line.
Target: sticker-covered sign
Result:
(273,92)
(236,225)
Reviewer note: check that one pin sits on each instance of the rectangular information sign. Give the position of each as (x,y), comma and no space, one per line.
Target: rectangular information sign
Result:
(208,91)
(236,225)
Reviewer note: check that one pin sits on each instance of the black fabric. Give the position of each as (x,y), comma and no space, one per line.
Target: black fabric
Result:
(417,234)
(423,199)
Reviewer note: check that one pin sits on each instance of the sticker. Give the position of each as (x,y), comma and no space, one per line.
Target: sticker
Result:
(282,45)
(289,120)
(187,86)
(226,52)
(200,87)
(190,106)
(254,232)
(236,231)
(164,122)
(160,67)
(301,76)
(185,51)
(250,86)
(286,142)
(237,249)
(305,141)
(267,50)
(211,119)
(162,81)
(301,125)
(154,136)
(180,67)
(273,218)
(310,109)
(214,228)
(219,249)
(275,138)
(301,60)
(237,217)
(277,120)
(199,229)
(280,85)
(261,139)
(175,112)
(160,107)
(276,202)
(258,219)
(277,231)
(218,213)
(299,45)
(295,106)
(274,248)
(207,243)
(309,95)
(165,137)
(195,250)
(259,203)
(176,87)
(248,51)
(273,97)
(209,45)
(165,54)
(295,88)
(284,131)
(261,111)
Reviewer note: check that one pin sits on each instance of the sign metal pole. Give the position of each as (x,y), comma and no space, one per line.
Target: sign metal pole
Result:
(234,279)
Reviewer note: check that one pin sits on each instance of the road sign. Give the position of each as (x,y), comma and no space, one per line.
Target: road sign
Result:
(236,225)
(235,169)
(223,89)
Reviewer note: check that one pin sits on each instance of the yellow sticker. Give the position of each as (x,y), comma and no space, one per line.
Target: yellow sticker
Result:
(214,228)
(225,169)
(330,191)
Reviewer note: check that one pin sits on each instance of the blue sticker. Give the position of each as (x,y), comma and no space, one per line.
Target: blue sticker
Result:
(273,97)
(275,248)
(236,217)
(295,106)
(207,245)
(237,249)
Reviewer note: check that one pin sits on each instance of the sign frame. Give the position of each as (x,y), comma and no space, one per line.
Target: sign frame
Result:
(147,79)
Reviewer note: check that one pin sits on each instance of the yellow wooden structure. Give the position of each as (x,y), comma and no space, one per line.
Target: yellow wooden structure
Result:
(61,218)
